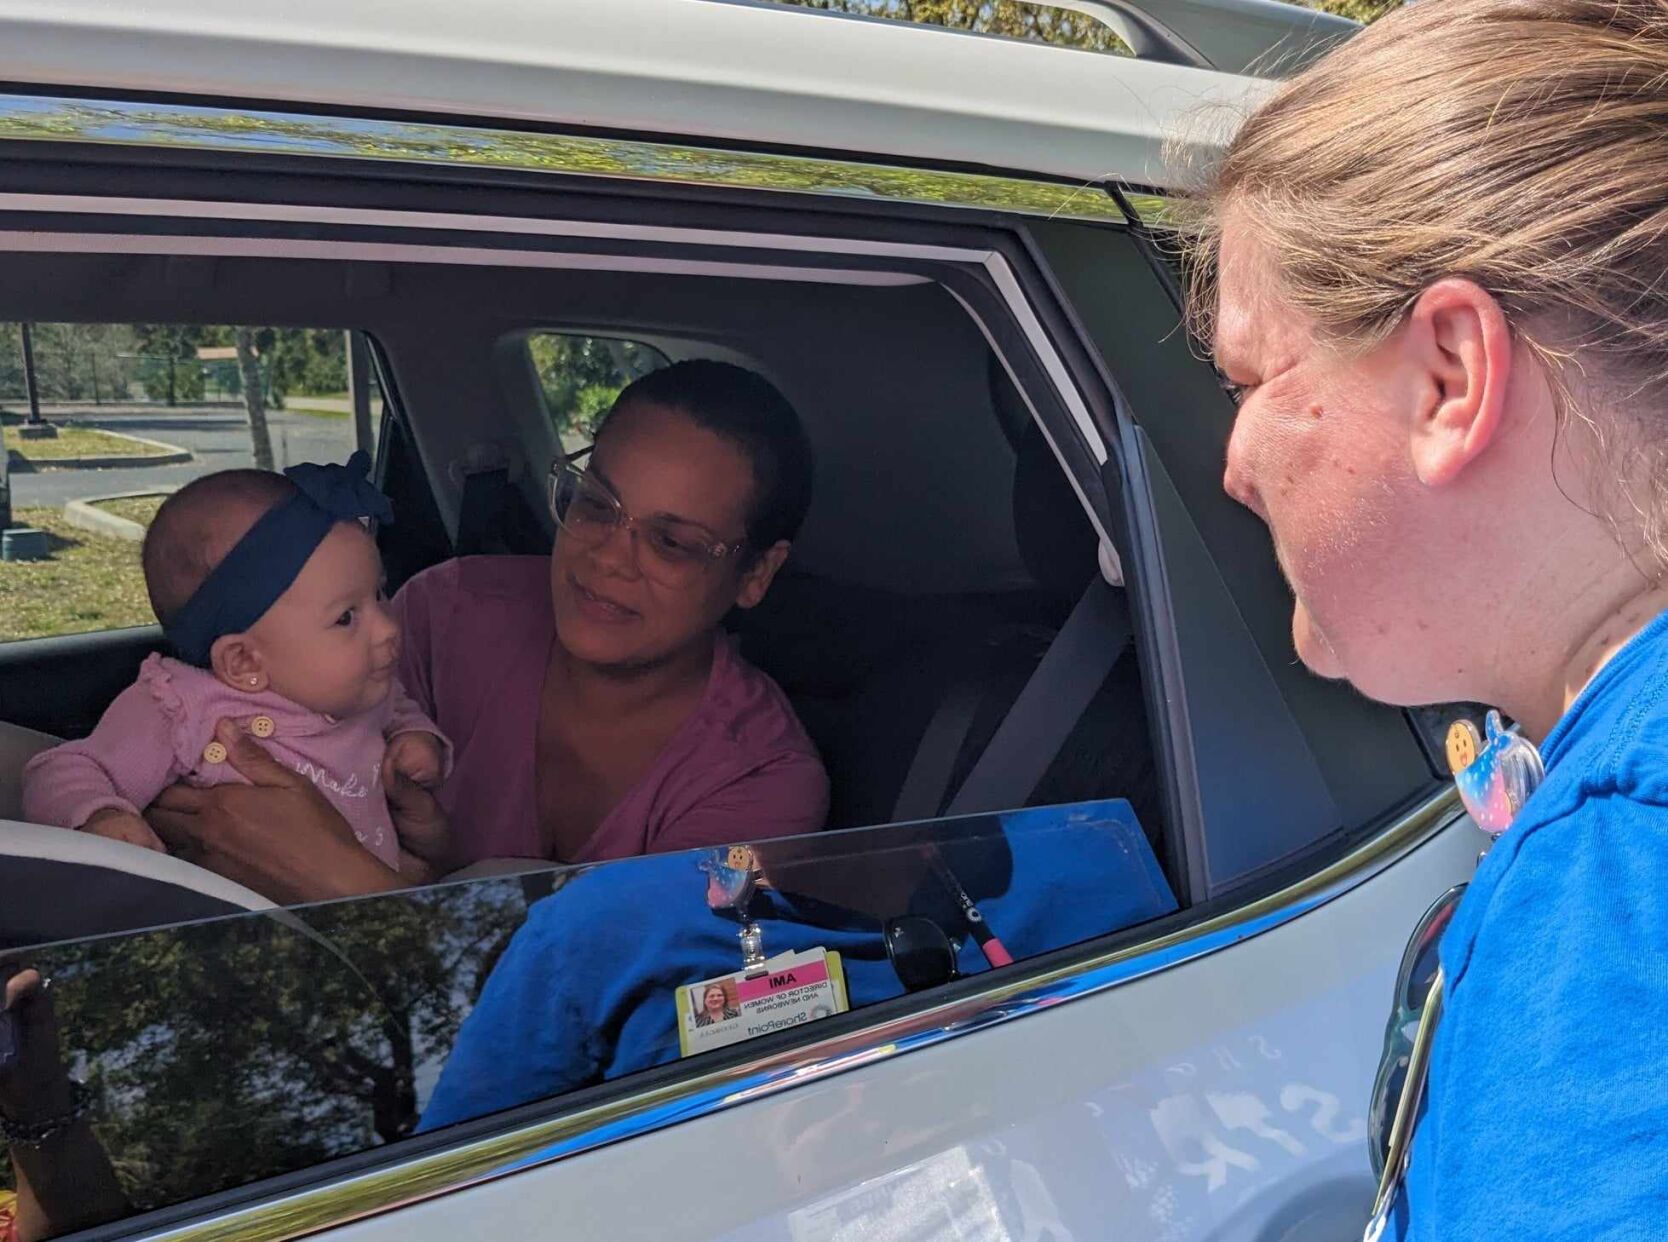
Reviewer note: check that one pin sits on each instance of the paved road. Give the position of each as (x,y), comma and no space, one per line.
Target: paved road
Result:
(217,437)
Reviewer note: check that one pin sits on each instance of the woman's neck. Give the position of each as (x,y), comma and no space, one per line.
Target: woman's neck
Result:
(1581,651)
(614,691)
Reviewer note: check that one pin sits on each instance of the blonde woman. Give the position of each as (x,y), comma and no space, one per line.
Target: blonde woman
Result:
(1435,269)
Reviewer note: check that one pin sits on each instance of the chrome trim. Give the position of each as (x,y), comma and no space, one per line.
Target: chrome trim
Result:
(1014,994)
(194,127)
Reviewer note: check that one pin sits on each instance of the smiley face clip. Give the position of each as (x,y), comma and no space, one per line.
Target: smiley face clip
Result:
(1495,771)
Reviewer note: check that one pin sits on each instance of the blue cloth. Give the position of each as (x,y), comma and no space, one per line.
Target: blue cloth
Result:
(585,990)
(262,565)
(1547,1110)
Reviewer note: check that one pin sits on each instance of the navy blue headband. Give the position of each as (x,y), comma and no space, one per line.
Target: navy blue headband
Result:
(263,564)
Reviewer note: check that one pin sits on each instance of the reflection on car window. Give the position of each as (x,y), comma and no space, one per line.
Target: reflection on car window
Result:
(231,1050)
(100,421)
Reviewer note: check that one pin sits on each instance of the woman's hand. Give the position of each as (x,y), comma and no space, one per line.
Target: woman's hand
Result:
(277,835)
(34,1086)
(65,1183)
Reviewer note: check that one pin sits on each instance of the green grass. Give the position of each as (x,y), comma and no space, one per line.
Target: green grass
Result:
(290,407)
(78,442)
(139,509)
(91,583)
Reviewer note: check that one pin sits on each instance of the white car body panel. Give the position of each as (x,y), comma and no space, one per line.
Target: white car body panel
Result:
(719,72)
(1197,1103)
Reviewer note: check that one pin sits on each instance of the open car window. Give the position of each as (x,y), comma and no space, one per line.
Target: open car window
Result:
(227,1051)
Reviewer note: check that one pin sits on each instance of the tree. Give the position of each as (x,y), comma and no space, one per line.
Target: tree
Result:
(162,348)
(254,396)
(581,375)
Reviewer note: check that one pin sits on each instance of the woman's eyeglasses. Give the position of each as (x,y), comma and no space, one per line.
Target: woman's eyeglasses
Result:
(673,553)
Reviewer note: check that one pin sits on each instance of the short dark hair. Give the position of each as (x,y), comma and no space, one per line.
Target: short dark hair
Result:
(751,412)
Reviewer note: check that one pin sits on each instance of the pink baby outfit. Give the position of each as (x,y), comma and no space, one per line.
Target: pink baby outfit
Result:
(477,640)
(157,730)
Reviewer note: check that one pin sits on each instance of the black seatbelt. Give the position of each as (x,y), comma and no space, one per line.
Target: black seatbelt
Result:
(928,781)
(480,510)
(1070,675)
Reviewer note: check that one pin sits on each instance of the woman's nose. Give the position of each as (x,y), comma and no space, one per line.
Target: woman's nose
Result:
(1236,474)
(617,553)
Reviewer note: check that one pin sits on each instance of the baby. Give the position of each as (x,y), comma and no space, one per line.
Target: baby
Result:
(270,589)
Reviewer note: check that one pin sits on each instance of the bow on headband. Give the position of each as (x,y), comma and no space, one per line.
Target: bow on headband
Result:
(265,562)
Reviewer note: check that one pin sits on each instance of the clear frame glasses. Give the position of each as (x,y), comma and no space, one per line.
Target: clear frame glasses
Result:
(673,553)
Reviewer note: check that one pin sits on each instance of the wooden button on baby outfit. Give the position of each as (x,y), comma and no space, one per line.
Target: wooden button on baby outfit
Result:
(262,726)
(214,752)
(1463,744)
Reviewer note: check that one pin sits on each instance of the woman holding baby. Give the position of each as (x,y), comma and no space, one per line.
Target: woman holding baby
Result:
(575,708)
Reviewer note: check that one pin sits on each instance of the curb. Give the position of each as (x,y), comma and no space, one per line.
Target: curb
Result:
(165,455)
(86,514)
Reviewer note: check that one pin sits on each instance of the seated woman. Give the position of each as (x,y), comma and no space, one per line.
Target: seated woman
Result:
(595,707)
(597,710)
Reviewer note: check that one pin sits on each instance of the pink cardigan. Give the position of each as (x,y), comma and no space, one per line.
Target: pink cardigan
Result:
(157,730)
(477,638)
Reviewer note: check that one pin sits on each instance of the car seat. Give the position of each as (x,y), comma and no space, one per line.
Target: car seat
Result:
(871,672)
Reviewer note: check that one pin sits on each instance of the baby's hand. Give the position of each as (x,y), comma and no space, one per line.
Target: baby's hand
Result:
(121,826)
(417,757)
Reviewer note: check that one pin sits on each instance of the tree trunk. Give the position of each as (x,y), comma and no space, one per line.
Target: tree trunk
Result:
(254,400)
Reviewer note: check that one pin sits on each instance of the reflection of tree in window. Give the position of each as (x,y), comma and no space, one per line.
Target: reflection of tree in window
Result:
(233,1050)
(1013,19)
(581,376)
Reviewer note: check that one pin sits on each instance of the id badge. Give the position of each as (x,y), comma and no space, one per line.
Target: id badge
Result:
(791,989)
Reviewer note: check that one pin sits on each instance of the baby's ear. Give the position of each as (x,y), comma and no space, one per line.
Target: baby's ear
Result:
(236,663)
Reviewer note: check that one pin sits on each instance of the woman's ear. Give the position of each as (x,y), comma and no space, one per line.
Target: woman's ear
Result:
(1459,339)
(237,664)
(757,577)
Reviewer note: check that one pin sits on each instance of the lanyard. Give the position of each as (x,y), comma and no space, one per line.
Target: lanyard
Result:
(1496,772)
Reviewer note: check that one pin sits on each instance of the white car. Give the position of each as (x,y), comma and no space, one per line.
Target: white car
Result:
(937,242)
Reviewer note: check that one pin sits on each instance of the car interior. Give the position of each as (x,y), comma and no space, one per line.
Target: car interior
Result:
(943,553)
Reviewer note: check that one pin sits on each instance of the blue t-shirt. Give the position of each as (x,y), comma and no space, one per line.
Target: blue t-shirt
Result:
(585,990)
(1547,1110)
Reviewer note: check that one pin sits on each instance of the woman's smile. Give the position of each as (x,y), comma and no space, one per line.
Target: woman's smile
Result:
(595,606)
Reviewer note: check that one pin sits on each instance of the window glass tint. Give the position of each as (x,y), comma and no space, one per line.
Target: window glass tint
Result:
(230,1050)
(1013,19)
(579,377)
(101,421)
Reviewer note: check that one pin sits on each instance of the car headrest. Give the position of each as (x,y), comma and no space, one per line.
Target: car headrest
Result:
(1057,542)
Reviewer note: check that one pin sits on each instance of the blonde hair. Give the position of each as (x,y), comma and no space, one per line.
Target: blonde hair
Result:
(1520,144)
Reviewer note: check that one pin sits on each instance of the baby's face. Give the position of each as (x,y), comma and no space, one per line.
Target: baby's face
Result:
(330,643)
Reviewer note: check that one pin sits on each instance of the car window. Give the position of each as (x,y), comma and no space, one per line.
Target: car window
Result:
(579,377)
(231,1050)
(101,421)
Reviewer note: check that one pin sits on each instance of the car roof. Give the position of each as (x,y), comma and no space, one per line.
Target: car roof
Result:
(719,71)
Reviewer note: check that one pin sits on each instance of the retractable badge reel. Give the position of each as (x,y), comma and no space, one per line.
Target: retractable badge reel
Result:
(1495,771)
(732,881)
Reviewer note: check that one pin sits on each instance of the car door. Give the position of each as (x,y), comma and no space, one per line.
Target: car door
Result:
(1196,1072)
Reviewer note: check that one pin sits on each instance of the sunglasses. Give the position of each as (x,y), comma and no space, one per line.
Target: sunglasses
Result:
(920,952)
